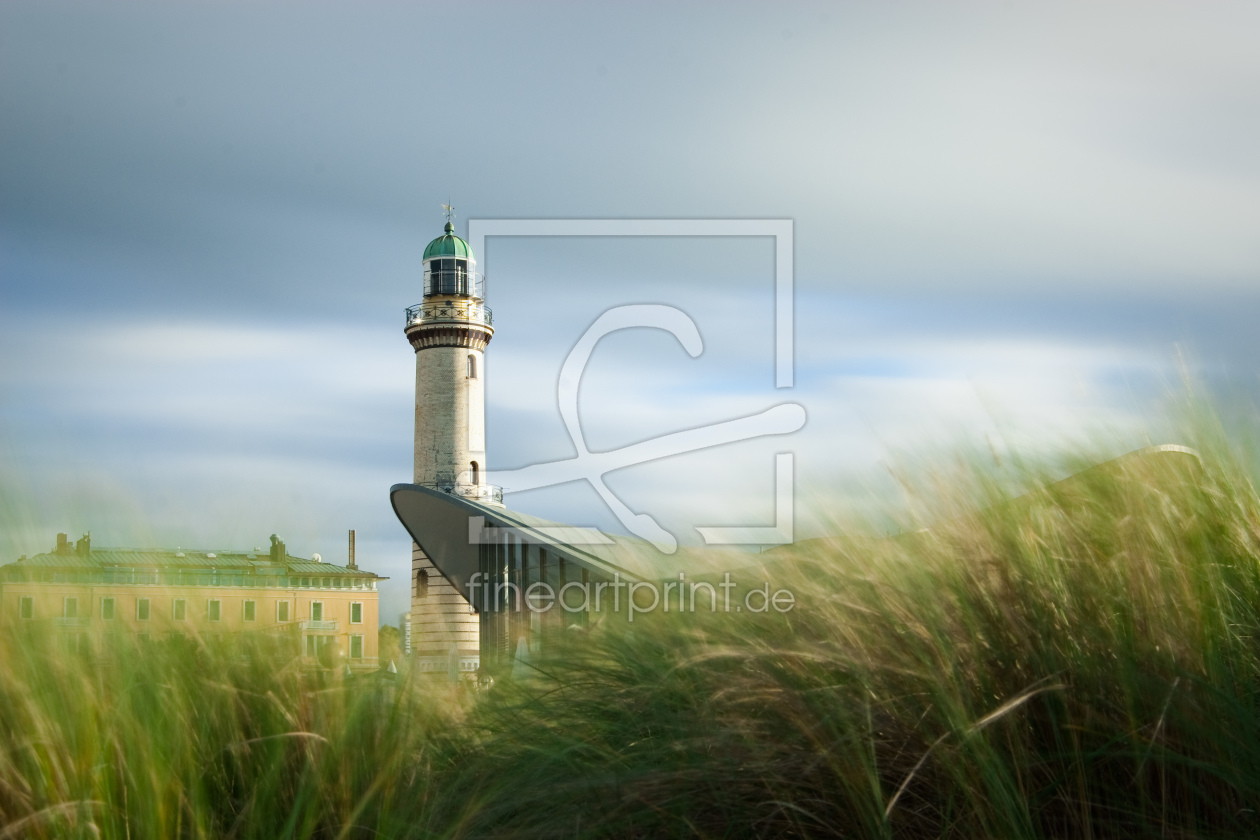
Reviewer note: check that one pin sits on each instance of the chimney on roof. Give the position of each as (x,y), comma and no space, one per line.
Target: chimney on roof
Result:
(351,563)
(63,543)
(277,549)
(83,547)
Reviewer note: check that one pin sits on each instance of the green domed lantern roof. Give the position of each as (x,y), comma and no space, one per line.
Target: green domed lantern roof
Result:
(449,245)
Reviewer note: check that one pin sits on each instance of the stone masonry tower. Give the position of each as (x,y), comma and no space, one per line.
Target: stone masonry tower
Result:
(449,330)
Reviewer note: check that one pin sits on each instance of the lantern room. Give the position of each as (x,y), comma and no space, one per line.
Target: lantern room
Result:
(450,268)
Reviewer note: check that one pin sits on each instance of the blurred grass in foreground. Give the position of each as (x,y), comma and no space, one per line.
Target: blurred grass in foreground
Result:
(1080,662)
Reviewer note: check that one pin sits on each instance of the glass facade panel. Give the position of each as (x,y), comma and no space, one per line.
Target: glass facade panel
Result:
(448,277)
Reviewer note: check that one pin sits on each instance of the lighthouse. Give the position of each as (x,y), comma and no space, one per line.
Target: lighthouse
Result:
(449,330)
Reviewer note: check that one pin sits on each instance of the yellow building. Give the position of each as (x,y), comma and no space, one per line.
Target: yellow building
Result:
(330,613)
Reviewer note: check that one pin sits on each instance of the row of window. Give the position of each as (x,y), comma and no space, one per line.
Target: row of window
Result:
(78,642)
(179,609)
(316,644)
(131,576)
(451,277)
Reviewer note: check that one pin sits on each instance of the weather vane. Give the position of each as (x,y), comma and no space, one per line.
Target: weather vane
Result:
(449,211)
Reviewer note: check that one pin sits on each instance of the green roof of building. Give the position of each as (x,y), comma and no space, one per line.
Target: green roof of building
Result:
(140,558)
(449,245)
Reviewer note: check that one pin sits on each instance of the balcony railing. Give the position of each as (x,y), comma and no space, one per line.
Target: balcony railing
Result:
(330,624)
(126,577)
(489,493)
(457,281)
(451,311)
(429,664)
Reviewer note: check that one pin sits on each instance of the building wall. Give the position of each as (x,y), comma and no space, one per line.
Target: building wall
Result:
(450,416)
(440,616)
(49,603)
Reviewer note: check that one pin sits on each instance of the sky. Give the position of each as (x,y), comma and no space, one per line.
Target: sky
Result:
(1013,226)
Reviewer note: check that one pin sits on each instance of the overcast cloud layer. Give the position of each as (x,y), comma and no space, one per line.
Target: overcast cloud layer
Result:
(212,216)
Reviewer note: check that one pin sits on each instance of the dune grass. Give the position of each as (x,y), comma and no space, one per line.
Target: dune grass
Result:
(1083,661)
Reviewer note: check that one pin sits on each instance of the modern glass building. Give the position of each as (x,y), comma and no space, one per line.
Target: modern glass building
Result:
(523,579)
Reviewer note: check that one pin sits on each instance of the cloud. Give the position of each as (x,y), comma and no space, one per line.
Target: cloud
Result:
(211,217)
(869,400)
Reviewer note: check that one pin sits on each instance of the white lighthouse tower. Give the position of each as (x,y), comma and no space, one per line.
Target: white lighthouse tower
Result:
(449,331)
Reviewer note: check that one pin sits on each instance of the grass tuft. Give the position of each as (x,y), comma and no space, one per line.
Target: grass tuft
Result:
(1082,660)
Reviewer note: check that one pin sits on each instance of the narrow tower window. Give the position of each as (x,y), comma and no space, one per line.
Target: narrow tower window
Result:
(422,583)
(474,473)
(472,366)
